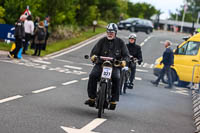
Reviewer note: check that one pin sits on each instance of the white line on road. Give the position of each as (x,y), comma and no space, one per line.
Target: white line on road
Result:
(142,44)
(140,70)
(41,61)
(93,124)
(76,48)
(63,60)
(87,64)
(138,78)
(70,82)
(10,98)
(86,129)
(85,78)
(45,89)
(145,64)
(149,37)
(180,92)
(73,67)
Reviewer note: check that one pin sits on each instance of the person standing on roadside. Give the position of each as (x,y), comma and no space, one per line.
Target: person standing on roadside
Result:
(46,24)
(29,29)
(40,34)
(19,36)
(36,23)
(168,61)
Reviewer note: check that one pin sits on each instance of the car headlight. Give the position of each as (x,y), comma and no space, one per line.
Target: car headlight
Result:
(128,24)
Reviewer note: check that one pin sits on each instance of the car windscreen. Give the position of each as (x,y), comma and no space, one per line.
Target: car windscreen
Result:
(130,20)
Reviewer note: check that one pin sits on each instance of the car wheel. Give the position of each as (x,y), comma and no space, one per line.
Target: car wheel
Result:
(148,31)
(183,83)
(132,29)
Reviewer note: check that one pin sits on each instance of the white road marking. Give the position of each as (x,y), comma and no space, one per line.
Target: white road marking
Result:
(180,92)
(75,48)
(140,70)
(86,129)
(70,82)
(87,64)
(10,98)
(142,44)
(73,67)
(138,78)
(149,37)
(144,65)
(63,60)
(85,78)
(41,61)
(45,89)
(132,130)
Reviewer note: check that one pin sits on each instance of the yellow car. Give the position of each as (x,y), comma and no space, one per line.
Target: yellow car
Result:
(186,61)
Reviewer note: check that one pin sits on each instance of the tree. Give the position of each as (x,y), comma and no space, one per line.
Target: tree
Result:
(192,11)
(141,10)
(2,14)
(87,11)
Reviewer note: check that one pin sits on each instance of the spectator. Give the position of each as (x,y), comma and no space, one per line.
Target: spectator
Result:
(29,29)
(46,24)
(19,36)
(168,61)
(40,35)
(36,23)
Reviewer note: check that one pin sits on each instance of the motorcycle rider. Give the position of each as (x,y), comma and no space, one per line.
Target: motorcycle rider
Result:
(109,46)
(136,53)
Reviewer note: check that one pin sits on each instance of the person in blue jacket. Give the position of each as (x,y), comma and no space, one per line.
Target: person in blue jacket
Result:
(168,61)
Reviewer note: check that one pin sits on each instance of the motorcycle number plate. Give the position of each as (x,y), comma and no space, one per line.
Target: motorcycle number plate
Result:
(107,72)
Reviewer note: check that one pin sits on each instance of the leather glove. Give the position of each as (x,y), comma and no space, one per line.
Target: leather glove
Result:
(123,63)
(93,58)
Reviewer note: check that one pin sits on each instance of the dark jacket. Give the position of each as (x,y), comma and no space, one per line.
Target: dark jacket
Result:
(168,57)
(115,48)
(135,51)
(36,35)
(19,30)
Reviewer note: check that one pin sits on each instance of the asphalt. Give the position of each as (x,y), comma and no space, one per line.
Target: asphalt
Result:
(145,109)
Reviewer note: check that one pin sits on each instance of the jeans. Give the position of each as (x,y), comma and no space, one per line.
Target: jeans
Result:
(26,44)
(166,69)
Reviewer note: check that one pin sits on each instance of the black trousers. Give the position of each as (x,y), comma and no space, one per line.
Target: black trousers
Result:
(94,78)
(38,48)
(26,44)
(166,69)
(45,43)
(19,44)
(133,71)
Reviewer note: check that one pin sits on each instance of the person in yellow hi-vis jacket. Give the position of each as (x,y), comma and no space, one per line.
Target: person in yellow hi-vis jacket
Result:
(19,36)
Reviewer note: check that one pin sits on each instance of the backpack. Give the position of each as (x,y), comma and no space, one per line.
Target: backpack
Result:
(41,34)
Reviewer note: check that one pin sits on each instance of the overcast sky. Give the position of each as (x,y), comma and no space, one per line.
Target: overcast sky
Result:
(164,5)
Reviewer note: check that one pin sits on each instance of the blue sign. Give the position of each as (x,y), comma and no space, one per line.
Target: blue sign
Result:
(7,32)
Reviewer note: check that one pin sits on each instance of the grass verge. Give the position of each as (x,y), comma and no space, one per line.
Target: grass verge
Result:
(59,45)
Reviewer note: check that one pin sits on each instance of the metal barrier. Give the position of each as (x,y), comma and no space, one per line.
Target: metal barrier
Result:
(196,97)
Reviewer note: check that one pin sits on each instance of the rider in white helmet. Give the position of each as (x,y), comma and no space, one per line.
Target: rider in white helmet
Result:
(109,46)
(136,53)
